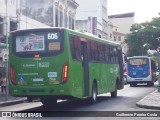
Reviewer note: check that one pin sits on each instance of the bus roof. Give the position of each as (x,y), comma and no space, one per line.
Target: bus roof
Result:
(94,37)
(76,32)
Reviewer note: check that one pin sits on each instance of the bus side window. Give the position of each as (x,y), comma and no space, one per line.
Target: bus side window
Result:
(75,47)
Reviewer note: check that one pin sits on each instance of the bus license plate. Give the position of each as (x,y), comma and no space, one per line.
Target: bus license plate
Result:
(37,79)
(138,79)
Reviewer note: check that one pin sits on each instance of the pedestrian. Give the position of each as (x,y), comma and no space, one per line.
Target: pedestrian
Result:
(4,83)
(1,84)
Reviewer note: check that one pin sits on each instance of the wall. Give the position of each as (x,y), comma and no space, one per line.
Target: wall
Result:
(11,8)
(96,8)
(123,24)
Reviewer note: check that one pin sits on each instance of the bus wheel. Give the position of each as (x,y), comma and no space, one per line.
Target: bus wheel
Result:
(131,84)
(49,102)
(29,99)
(114,93)
(150,84)
(93,99)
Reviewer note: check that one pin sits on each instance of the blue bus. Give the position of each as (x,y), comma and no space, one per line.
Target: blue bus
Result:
(141,69)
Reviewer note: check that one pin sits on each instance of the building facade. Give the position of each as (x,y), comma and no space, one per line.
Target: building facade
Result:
(55,13)
(92,18)
(8,22)
(123,21)
(26,14)
(118,26)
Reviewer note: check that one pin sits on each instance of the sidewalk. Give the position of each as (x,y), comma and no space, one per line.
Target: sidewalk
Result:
(151,101)
(8,100)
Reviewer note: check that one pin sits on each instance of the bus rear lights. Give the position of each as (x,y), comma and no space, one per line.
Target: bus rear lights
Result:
(65,73)
(13,80)
(148,71)
(127,72)
(36,56)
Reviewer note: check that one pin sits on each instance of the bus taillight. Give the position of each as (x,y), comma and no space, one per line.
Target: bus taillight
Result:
(12,75)
(36,56)
(126,72)
(65,73)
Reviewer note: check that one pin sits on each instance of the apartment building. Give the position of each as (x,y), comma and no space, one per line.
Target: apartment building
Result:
(92,17)
(118,27)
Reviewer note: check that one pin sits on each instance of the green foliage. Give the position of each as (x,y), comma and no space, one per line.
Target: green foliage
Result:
(142,34)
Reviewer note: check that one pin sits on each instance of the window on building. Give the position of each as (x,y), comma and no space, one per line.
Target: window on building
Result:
(70,22)
(1,26)
(115,38)
(99,35)
(110,36)
(119,38)
(13,25)
(65,20)
(56,17)
(61,18)
(73,23)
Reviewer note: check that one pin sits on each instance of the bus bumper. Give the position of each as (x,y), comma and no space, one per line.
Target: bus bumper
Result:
(139,80)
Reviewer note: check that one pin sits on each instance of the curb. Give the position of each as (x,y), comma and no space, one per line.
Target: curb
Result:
(147,106)
(12,102)
(151,101)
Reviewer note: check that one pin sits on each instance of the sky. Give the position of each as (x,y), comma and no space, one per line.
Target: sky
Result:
(144,10)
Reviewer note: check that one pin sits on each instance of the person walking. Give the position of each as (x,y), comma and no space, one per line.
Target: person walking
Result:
(4,83)
(1,85)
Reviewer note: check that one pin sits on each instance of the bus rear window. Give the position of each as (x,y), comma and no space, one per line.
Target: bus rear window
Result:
(30,43)
(138,61)
(43,43)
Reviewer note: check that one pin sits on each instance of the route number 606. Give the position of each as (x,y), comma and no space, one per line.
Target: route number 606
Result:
(52,36)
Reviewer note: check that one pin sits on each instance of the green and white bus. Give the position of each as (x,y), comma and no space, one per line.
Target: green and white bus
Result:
(59,63)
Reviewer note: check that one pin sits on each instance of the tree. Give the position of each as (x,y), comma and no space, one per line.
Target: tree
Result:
(143,33)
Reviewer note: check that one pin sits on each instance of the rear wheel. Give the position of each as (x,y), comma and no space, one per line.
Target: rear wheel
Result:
(150,84)
(50,102)
(29,99)
(93,99)
(133,84)
(114,93)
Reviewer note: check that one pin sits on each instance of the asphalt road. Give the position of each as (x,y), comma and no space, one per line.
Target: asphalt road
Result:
(125,101)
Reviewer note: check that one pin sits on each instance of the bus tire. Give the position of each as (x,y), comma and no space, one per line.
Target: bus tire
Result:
(93,98)
(132,84)
(49,102)
(150,84)
(114,93)
(29,99)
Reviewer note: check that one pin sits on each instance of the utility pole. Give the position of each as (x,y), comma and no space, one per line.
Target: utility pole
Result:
(7,88)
